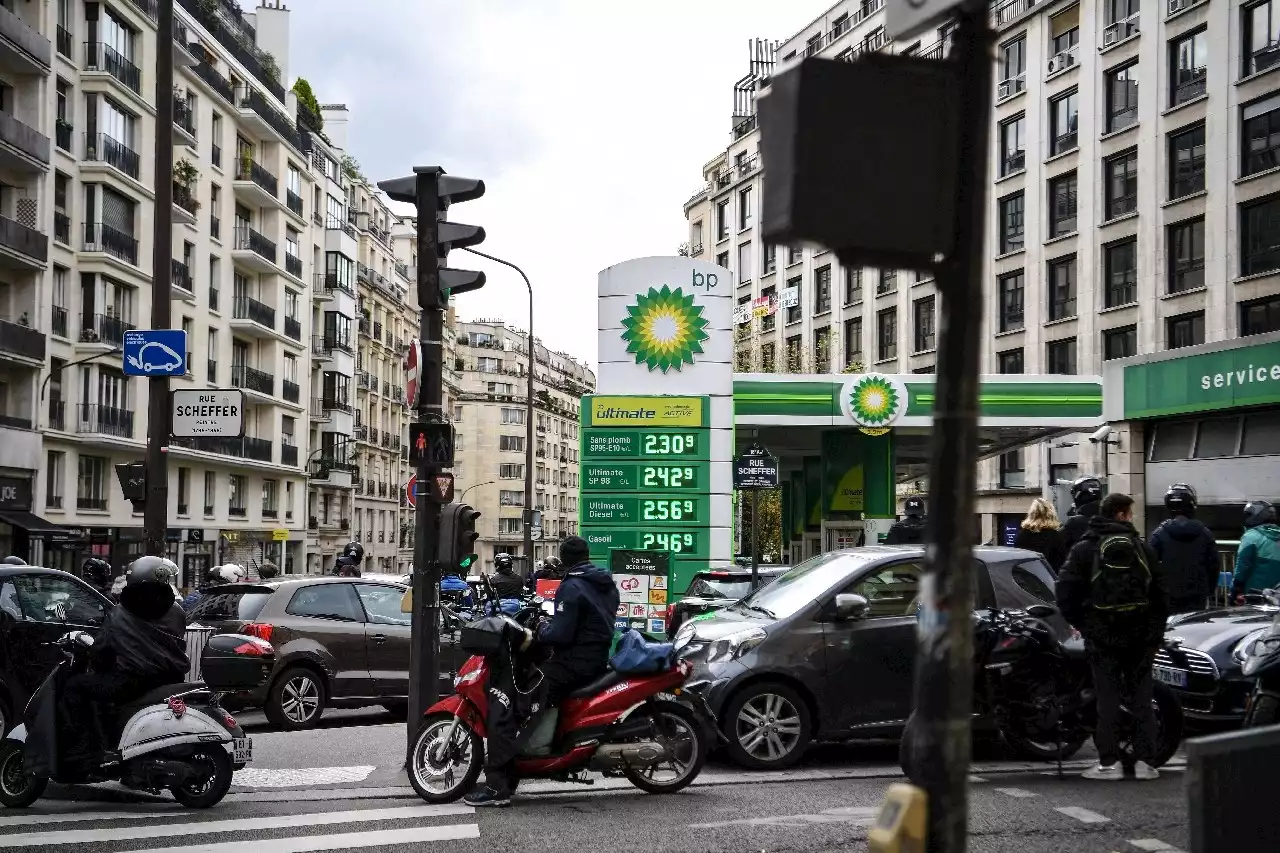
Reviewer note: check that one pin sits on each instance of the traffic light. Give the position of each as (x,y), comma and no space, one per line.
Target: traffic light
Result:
(458,536)
(448,235)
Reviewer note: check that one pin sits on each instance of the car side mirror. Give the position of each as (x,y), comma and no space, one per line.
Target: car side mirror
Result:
(850,607)
(1042,611)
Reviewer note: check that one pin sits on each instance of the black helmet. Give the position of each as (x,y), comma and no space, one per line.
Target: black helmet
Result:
(268,571)
(346,566)
(353,549)
(97,572)
(1258,513)
(1180,498)
(552,562)
(503,562)
(147,592)
(1086,490)
(913,507)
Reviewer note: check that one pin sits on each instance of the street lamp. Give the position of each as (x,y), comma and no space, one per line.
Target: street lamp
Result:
(462,497)
(528,414)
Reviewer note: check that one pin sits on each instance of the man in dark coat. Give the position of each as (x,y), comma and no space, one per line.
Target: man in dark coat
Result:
(911,529)
(1188,552)
(1086,494)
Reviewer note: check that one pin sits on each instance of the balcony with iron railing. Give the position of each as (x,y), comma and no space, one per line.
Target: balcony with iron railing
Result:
(293,265)
(289,456)
(103,329)
(250,309)
(293,328)
(66,42)
(59,325)
(105,59)
(249,240)
(186,204)
(184,119)
(336,404)
(62,228)
(215,81)
(100,148)
(257,449)
(214,293)
(93,418)
(103,238)
(26,140)
(294,202)
(224,20)
(25,245)
(63,133)
(333,223)
(17,339)
(251,379)
(290,391)
(181,278)
(57,414)
(258,112)
(250,170)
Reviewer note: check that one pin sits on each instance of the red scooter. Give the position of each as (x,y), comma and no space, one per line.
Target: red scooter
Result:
(637,727)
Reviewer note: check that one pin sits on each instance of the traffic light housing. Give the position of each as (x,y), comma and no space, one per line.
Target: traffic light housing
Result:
(458,537)
(449,235)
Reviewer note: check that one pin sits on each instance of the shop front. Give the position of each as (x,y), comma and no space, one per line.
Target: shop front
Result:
(1208,416)
(254,549)
(23,533)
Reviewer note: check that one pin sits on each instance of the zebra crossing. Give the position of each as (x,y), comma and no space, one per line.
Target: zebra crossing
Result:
(272,827)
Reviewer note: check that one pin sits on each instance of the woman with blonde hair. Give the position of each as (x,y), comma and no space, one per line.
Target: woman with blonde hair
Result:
(1041,532)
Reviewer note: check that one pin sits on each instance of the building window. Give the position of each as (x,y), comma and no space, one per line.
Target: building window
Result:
(744,208)
(1064,36)
(1259,316)
(1188,67)
(210,492)
(1062,356)
(1122,98)
(770,319)
(1122,20)
(270,498)
(770,258)
(92,483)
(1010,361)
(1013,67)
(512,416)
(1012,216)
(1012,471)
(1121,263)
(852,285)
(795,358)
(1062,204)
(822,290)
(722,220)
(794,255)
(853,341)
(745,272)
(1011,306)
(1185,330)
(54,471)
(238,485)
(795,313)
(1013,145)
(1260,236)
(1062,288)
(1186,255)
(1120,343)
(887,334)
(1260,134)
(888,282)
(1064,119)
(1261,45)
(1186,161)
(514,443)
(925,339)
(768,359)
(1122,183)
(822,350)
(695,238)
(510,471)
(722,260)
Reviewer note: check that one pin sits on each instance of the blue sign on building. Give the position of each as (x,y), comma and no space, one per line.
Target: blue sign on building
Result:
(155,352)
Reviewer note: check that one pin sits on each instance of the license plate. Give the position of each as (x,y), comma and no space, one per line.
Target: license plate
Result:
(242,749)
(1168,675)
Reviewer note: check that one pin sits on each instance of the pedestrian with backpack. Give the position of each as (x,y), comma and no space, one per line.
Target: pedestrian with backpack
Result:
(1110,589)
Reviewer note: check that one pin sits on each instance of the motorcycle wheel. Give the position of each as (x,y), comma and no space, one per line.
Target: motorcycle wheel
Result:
(1169,724)
(18,789)
(1264,710)
(435,776)
(1031,750)
(214,761)
(692,751)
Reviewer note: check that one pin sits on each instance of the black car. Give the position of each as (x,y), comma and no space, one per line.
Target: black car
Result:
(1205,668)
(783,667)
(37,606)
(710,591)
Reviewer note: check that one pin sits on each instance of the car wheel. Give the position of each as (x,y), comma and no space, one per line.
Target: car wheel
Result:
(767,726)
(296,699)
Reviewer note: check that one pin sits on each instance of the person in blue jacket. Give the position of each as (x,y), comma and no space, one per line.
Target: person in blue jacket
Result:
(1258,557)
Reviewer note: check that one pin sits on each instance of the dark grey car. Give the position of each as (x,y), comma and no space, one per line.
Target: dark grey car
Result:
(340,642)
(787,665)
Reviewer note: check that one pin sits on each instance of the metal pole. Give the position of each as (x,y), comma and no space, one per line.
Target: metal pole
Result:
(424,686)
(156,511)
(944,669)
(755,539)
(528,415)
(462,498)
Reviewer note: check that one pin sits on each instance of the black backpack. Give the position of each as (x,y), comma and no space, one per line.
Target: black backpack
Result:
(1121,577)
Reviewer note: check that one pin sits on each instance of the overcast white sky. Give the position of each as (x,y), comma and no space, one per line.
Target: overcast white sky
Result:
(589,122)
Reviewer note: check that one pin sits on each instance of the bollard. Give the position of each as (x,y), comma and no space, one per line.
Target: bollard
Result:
(900,827)
(1231,790)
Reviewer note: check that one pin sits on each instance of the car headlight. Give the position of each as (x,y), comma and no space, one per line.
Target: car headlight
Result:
(735,646)
(1241,651)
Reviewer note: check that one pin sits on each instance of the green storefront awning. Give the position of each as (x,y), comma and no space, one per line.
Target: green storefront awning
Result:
(1210,378)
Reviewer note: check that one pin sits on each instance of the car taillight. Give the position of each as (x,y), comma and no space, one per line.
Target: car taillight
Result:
(177,706)
(258,629)
(228,720)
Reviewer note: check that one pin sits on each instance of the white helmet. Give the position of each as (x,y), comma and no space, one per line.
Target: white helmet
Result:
(230,573)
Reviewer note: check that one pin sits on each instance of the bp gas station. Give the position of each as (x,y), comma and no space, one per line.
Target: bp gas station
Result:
(660,435)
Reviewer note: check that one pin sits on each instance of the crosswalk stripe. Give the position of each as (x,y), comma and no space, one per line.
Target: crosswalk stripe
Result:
(80,817)
(212,827)
(1083,815)
(346,841)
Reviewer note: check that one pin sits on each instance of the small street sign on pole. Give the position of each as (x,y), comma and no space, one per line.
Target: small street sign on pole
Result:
(753,470)
(210,413)
(412,373)
(441,491)
(411,491)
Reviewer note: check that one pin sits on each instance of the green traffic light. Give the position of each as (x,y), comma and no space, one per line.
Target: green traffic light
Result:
(465,562)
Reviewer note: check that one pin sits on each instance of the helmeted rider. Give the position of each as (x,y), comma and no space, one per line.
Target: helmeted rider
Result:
(1086,496)
(228,573)
(506,583)
(98,573)
(911,529)
(141,646)
(1187,550)
(1258,557)
(552,570)
(268,572)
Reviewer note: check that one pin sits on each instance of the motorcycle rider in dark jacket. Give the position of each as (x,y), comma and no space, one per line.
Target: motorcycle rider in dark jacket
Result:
(1086,495)
(1187,551)
(142,646)
(578,638)
(552,570)
(506,583)
(911,529)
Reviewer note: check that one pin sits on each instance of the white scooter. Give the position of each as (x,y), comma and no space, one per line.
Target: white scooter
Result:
(176,737)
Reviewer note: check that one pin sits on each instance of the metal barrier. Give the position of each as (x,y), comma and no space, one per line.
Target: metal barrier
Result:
(196,639)
(1229,793)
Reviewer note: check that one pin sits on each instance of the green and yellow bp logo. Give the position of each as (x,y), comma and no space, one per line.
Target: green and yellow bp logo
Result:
(664,329)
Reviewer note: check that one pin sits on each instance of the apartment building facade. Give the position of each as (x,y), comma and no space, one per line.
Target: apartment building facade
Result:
(490,418)
(1160,109)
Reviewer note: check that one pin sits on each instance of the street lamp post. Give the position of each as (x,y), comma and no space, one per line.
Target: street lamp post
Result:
(463,497)
(528,414)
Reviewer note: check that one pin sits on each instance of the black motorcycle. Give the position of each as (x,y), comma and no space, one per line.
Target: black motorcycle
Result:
(1262,664)
(1037,693)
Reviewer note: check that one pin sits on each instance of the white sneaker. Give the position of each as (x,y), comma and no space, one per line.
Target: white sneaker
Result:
(1105,772)
(1144,772)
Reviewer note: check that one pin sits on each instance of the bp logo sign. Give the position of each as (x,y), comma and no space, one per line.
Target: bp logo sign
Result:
(873,400)
(664,329)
